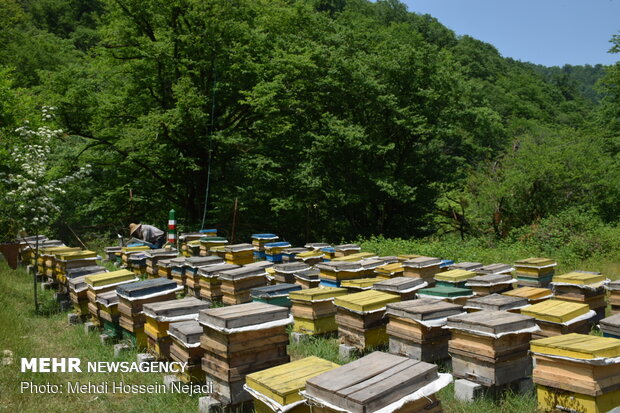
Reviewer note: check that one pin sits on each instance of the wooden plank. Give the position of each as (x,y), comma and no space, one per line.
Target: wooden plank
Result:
(175,308)
(497,302)
(491,322)
(242,315)
(146,287)
(423,309)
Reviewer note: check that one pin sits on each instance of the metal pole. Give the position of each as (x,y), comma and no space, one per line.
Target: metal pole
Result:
(35,272)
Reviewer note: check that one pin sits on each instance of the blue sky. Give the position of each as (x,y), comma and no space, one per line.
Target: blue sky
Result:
(548,32)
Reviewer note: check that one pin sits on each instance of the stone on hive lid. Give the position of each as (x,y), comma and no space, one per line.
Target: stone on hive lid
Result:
(146,287)
(242,315)
(175,308)
(398,284)
(497,302)
(493,322)
(188,332)
(423,309)
(371,382)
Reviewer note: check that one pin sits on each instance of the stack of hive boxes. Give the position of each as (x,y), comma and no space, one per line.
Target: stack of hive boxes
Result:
(308,278)
(137,263)
(240,340)
(153,257)
(490,284)
(277,389)
(313,310)
(28,246)
(164,268)
(614,296)
(361,318)
(332,273)
(310,257)
(131,249)
(374,382)
(285,273)
(73,260)
(259,241)
(131,299)
(192,268)
(78,296)
(496,302)
(113,254)
(533,295)
(274,294)
(206,243)
(239,254)
(210,284)
(273,251)
(491,347)
(388,271)
(405,287)
(556,317)
(194,247)
(79,273)
(361,284)
(237,283)
(329,253)
(535,272)
(290,254)
(346,249)
(415,328)
(177,270)
(610,326)
(186,348)
(582,287)
(108,313)
(422,267)
(357,257)
(578,373)
(450,286)
(101,283)
(159,317)
(185,239)
(47,260)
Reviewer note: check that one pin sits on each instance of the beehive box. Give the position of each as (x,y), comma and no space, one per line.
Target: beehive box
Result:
(273,251)
(415,328)
(361,318)
(313,310)
(346,249)
(231,352)
(206,243)
(582,364)
(496,302)
(392,270)
(455,295)
(274,294)
(535,272)
(556,317)
(466,266)
(496,268)
(422,267)
(610,326)
(193,265)
(453,278)
(490,284)
(614,296)
(532,294)
(405,287)
(237,283)
(185,348)
(78,295)
(335,272)
(108,306)
(310,257)
(360,284)
(259,240)
(491,347)
(285,273)
(281,384)
(210,284)
(308,278)
(358,256)
(582,287)
(372,383)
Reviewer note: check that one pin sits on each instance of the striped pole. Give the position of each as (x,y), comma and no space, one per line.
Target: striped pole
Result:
(172,227)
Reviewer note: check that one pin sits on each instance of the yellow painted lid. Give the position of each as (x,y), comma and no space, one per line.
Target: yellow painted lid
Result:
(320,293)
(308,254)
(531,293)
(535,262)
(56,250)
(455,275)
(355,257)
(578,278)
(556,311)
(405,257)
(283,383)
(67,256)
(136,248)
(579,346)
(366,300)
(109,278)
(360,282)
(392,268)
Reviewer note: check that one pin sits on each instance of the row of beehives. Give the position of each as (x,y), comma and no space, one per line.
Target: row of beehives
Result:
(359,323)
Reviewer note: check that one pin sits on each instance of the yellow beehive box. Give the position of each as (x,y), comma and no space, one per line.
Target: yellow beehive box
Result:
(578,346)
(578,278)
(556,311)
(108,278)
(531,293)
(366,300)
(360,284)
(283,383)
(455,276)
(315,294)
(535,262)
(356,257)
(550,399)
(68,256)
(137,248)
(406,257)
(310,254)
(392,270)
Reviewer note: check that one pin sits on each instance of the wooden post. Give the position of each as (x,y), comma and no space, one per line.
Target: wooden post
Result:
(232,239)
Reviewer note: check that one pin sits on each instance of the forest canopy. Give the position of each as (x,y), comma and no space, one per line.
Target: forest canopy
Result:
(321,120)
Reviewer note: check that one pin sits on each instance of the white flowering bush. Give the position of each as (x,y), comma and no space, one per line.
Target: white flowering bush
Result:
(33,189)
